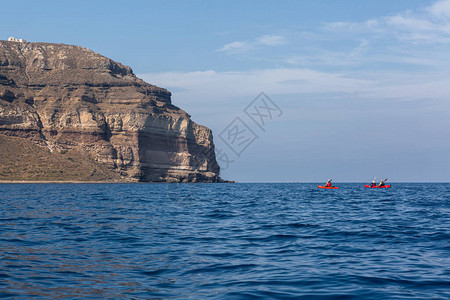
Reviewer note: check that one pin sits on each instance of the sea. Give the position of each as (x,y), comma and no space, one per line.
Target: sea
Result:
(224,241)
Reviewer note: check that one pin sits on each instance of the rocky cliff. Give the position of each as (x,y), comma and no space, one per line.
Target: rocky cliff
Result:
(69,98)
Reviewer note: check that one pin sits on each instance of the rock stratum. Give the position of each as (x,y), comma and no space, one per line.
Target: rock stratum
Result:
(68,113)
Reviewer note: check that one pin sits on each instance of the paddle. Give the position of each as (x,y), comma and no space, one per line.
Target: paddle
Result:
(383,182)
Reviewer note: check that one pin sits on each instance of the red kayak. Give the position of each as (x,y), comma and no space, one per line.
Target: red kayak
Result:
(327,187)
(378,187)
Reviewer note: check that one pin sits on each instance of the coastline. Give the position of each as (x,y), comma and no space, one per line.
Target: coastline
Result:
(65,181)
(90,182)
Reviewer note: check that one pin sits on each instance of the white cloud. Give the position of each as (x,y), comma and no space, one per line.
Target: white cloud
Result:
(244,46)
(408,23)
(433,21)
(359,50)
(271,40)
(235,47)
(210,85)
(387,58)
(440,9)
(213,87)
(415,39)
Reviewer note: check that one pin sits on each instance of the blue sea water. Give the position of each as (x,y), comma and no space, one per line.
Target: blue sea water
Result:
(226,241)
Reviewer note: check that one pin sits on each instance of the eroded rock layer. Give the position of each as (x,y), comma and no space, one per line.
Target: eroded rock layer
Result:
(67,97)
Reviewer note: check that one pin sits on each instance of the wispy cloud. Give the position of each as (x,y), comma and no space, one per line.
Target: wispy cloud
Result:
(400,57)
(236,47)
(271,40)
(411,39)
(432,22)
(440,9)
(213,87)
(244,46)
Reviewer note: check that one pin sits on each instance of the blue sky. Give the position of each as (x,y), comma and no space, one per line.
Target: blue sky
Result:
(364,85)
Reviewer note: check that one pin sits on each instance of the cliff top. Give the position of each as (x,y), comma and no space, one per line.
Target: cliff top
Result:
(38,64)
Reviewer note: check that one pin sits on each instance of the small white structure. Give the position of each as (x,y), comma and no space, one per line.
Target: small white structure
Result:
(12,39)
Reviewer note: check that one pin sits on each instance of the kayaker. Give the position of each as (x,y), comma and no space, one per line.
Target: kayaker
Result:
(373,182)
(328,183)
(381,183)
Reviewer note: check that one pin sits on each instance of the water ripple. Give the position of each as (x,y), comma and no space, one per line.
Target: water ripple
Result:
(192,241)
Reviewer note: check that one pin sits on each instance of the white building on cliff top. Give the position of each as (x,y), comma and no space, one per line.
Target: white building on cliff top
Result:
(12,39)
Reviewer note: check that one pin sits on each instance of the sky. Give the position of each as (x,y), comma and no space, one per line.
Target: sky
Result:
(352,89)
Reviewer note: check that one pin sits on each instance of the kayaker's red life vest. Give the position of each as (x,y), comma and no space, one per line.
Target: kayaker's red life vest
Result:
(328,184)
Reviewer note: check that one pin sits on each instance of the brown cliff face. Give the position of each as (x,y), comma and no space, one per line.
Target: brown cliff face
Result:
(67,97)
